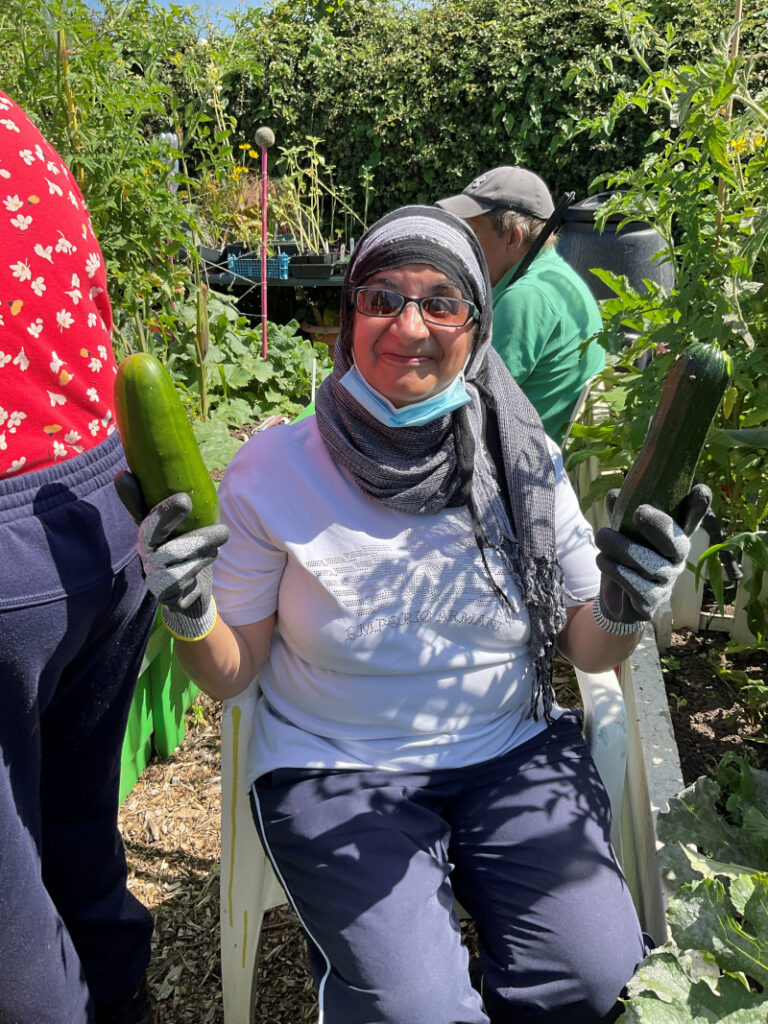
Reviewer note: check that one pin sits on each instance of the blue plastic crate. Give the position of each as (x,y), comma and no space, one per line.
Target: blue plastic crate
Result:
(249,266)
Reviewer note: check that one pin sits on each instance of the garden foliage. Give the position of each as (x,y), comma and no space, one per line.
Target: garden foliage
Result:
(108,91)
(703,185)
(714,968)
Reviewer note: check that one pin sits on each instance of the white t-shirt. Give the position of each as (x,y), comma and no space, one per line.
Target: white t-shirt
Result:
(391,651)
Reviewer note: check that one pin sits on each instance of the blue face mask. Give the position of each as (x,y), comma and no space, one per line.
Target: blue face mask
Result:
(414,415)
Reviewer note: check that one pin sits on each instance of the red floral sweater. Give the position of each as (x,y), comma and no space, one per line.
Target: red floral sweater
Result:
(56,361)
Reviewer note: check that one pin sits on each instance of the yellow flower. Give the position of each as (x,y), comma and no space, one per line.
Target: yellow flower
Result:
(244,145)
(738,145)
(253,153)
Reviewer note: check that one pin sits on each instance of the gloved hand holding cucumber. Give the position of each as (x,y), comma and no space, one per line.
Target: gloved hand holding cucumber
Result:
(170,494)
(655,512)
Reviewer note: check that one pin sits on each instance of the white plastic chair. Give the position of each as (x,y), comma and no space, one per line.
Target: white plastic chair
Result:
(248,884)
(578,407)
(588,411)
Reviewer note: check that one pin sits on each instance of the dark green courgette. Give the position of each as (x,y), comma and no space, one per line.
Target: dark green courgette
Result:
(662,474)
(160,447)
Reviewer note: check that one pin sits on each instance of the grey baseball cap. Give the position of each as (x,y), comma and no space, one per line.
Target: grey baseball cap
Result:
(514,188)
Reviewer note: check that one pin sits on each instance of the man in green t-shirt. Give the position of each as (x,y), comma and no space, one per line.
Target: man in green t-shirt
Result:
(542,319)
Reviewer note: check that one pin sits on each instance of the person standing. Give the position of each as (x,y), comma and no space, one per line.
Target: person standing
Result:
(75,613)
(542,319)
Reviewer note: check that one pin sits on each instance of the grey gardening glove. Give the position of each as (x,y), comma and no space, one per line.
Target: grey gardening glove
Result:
(638,576)
(177,571)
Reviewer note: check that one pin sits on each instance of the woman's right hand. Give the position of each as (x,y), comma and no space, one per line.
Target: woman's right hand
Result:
(177,569)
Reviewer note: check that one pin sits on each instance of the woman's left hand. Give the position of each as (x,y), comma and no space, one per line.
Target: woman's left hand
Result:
(638,576)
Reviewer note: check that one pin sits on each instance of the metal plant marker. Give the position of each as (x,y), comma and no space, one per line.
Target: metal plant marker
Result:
(265,138)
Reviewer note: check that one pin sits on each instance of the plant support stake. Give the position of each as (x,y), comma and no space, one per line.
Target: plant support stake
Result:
(265,138)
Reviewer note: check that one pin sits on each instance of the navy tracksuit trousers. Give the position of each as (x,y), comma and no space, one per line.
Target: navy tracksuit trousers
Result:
(75,615)
(372,861)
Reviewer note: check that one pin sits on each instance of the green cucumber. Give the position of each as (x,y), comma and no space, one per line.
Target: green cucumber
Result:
(662,474)
(160,447)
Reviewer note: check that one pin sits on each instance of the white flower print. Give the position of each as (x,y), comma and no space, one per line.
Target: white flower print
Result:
(53,188)
(4,103)
(92,393)
(52,167)
(3,415)
(21,359)
(27,156)
(38,286)
(21,222)
(14,421)
(92,319)
(21,270)
(64,319)
(44,253)
(95,292)
(75,294)
(111,429)
(39,152)
(72,437)
(10,125)
(4,359)
(4,173)
(56,363)
(93,426)
(2,322)
(92,264)
(3,443)
(35,328)
(102,350)
(12,203)
(16,465)
(72,198)
(59,451)
(94,364)
(56,399)
(64,245)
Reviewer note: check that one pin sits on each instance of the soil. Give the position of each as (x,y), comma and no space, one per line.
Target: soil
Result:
(718,701)
(170,826)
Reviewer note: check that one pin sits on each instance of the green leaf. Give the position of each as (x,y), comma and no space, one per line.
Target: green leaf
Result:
(679,987)
(705,918)
(756,437)
(217,446)
(693,814)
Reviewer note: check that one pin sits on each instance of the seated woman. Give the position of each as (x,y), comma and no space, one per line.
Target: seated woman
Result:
(399,572)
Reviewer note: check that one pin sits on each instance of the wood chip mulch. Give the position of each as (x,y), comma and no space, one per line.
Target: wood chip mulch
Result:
(171,830)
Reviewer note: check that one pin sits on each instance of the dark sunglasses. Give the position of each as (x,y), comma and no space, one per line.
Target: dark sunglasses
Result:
(435,309)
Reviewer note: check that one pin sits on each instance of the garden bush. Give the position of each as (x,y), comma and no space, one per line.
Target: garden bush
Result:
(425,97)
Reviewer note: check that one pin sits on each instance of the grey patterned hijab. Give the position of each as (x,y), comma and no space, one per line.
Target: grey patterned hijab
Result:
(447,462)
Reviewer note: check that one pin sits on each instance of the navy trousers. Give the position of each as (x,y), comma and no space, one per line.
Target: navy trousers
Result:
(75,616)
(372,861)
